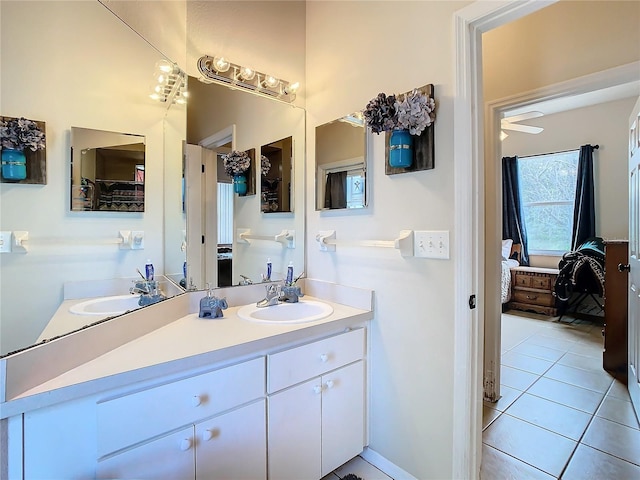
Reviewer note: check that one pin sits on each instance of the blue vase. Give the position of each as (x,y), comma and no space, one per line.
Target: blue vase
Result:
(400,149)
(240,184)
(14,164)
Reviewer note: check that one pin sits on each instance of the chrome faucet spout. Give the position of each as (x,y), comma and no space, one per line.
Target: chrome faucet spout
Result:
(274,292)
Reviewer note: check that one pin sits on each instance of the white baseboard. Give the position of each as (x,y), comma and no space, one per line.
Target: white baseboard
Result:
(381,463)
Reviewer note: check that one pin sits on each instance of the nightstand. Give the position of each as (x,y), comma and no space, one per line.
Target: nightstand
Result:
(532,290)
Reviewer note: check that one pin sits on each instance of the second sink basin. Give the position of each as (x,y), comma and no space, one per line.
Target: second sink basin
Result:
(106,306)
(300,312)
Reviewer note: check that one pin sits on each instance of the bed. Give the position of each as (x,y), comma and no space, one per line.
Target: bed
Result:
(510,256)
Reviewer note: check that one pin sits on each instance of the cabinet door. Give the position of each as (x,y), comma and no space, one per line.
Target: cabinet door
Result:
(233,445)
(342,416)
(294,432)
(170,457)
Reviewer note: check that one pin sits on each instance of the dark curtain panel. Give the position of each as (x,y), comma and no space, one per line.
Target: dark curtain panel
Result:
(584,209)
(512,218)
(335,194)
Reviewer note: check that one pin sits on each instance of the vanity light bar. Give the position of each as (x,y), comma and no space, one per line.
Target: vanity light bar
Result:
(170,83)
(218,70)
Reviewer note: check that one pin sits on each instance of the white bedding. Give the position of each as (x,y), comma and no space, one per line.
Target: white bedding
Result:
(505,281)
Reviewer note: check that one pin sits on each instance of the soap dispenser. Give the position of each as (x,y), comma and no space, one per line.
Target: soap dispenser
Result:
(212,306)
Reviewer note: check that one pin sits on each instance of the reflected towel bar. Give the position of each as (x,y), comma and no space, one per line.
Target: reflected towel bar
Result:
(285,237)
(126,239)
(327,242)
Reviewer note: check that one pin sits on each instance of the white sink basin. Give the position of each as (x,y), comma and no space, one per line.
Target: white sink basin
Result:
(106,306)
(301,312)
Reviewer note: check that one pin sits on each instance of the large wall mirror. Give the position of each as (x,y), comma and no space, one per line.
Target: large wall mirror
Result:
(106,88)
(221,119)
(107,171)
(341,164)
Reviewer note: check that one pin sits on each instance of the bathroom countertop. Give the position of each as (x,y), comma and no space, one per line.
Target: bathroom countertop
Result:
(185,343)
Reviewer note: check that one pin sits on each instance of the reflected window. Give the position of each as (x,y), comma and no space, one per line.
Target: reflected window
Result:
(225,213)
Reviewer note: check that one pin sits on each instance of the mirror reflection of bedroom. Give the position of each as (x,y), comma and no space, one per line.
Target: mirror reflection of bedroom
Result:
(557,198)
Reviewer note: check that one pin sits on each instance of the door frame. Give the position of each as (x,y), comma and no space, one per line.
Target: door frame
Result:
(468,153)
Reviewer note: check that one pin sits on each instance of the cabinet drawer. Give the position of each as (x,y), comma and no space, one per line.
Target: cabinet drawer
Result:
(534,298)
(523,280)
(133,418)
(544,283)
(301,363)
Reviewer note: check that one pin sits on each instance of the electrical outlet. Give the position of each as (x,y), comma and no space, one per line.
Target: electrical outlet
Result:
(431,244)
(5,242)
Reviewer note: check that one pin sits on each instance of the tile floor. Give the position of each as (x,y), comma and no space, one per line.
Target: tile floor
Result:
(560,415)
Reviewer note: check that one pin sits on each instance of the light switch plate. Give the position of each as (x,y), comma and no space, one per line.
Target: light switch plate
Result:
(431,244)
(5,242)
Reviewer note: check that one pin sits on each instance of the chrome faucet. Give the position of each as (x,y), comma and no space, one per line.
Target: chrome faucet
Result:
(148,291)
(274,292)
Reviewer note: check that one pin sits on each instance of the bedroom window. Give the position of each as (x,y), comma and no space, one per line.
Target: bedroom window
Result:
(547,191)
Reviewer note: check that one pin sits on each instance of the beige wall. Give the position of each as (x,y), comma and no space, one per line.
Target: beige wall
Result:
(354,51)
(566,40)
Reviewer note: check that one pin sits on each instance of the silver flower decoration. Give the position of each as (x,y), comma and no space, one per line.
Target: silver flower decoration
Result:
(236,162)
(265,165)
(415,112)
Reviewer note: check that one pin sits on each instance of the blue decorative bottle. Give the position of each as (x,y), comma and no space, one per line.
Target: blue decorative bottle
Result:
(14,164)
(240,184)
(400,149)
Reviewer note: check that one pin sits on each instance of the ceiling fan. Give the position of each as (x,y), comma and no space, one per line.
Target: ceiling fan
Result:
(509,123)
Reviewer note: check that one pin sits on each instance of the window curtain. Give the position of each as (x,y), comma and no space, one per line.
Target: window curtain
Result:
(584,211)
(512,218)
(335,194)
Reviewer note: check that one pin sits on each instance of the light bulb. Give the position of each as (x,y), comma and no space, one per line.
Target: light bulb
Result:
(292,88)
(164,66)
(270,81)
(247,73)
(155,96)
(220,64)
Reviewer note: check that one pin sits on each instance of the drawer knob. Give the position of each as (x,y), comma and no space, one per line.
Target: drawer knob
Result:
(185,444)
(196,400)
(324,357)
(532,297)
(329,383)
(317,389)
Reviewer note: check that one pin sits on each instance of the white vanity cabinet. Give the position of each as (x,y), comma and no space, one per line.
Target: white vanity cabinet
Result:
(207,426)
(316,406)
(229,446)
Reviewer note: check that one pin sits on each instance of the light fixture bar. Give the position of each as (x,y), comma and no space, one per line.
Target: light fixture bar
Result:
(234,75)
(171,83)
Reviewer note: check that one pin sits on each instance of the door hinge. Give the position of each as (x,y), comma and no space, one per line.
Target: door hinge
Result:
(472,302)
(202,168)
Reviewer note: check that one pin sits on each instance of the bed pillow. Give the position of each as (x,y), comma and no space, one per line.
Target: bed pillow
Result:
(506,248)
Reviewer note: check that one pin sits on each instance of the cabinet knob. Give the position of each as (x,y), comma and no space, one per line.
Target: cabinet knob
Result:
(324,357)
(317,389)
(624,267)
(207,435)
(329,383)
(196,400)
(185,444)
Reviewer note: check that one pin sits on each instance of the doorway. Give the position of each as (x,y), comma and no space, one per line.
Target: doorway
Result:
(471,22)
